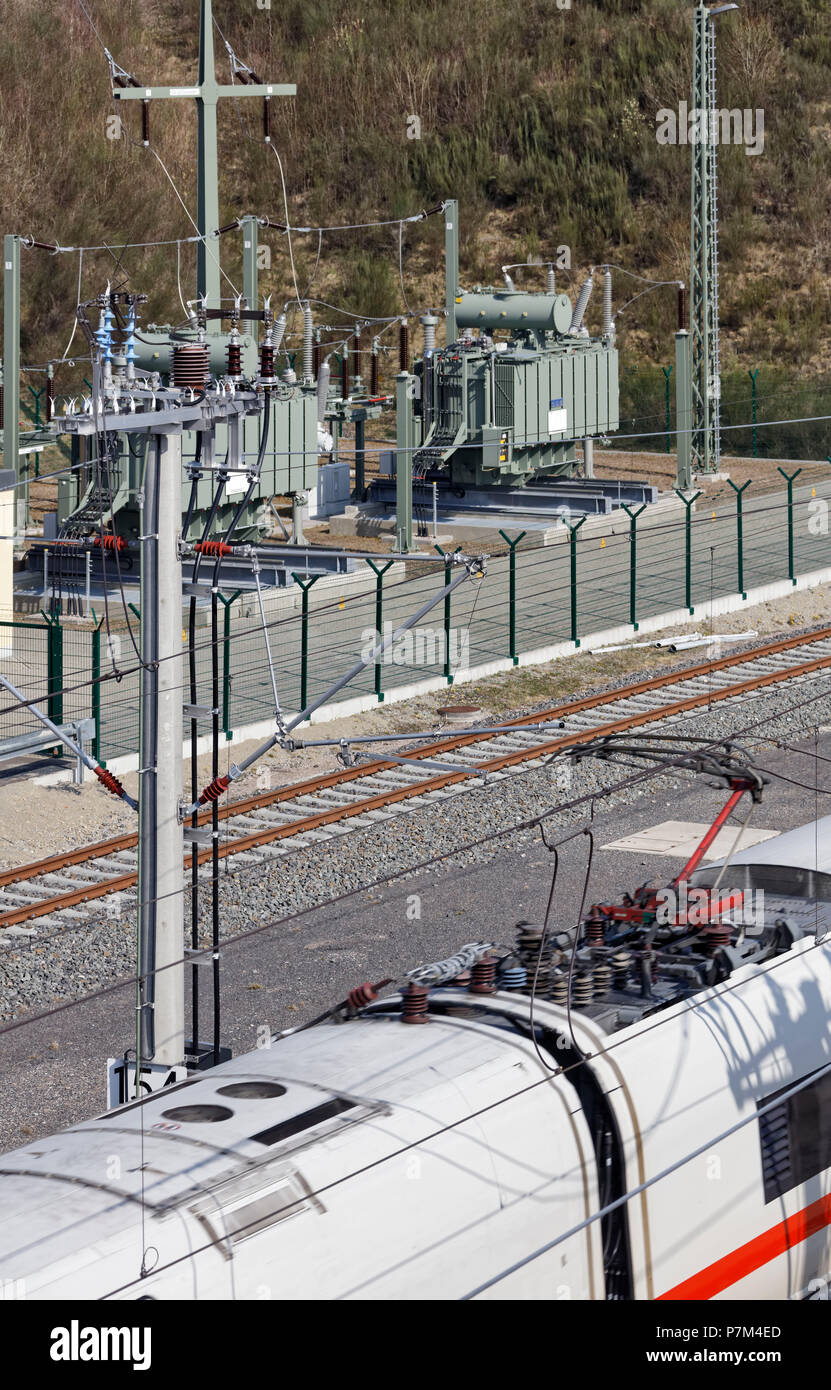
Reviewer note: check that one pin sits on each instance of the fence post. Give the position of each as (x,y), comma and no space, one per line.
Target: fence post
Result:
(96,689)
(667,371)
(226,660)
(512,545)
(688,503)
(448,572)
(572,541)
(305,585)
(789,479)
(379,618)
(740,531)
(753,376)
(633,562)
(54,667)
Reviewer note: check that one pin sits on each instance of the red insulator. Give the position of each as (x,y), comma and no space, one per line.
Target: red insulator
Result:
(110,542)
(109,781)
(365,993)
(593,928)
(234,359)
(483,976)
(215,789)
(213,548)
(267,362)
(373,375)
(715,937)
(415,1004)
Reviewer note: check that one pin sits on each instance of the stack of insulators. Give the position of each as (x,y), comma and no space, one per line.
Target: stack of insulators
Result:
(191,365)
(583,988)
(267,362)
(2,404)
(513,977)
(621,962)
(483,976)
(716,936)
(415,1004)
(559,987)
(593,930)
(602,979)
(234,352)
(531,951)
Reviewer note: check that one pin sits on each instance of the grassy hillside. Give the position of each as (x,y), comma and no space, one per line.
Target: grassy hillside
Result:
(540,120)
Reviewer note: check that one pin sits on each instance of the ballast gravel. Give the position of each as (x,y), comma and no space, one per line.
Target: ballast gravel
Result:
(41,966)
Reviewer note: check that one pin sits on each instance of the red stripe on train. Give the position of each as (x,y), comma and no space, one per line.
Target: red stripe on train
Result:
(756,1253)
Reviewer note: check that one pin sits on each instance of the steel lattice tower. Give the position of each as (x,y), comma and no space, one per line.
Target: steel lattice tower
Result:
(704,339)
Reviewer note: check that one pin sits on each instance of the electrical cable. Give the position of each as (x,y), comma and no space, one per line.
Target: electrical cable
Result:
(532,823)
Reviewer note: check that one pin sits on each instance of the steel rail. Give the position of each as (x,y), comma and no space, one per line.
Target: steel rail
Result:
(378,801)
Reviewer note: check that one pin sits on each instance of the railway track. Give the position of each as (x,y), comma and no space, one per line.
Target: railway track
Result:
(271,824)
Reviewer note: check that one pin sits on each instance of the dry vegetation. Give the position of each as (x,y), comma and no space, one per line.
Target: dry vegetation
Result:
(540,120)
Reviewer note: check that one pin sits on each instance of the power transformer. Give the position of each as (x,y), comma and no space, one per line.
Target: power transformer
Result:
(501,412)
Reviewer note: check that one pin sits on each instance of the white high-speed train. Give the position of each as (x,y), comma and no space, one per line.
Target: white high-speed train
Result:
(367,1157)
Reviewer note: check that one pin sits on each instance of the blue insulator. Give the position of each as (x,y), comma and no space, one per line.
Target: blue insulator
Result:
(131,341)
(514,977)
(108,335)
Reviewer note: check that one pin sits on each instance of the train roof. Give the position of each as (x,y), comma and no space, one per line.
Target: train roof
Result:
(795,864)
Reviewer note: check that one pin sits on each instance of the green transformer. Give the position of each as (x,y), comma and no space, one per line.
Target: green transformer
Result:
(503,411)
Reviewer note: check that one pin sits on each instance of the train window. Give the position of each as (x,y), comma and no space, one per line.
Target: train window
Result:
(796,1137)
(198,1114)
(306,1120)
(252,1090)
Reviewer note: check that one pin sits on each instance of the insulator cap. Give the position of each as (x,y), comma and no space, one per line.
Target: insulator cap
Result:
(215,789)
(213,548)
(109,781)
(415,1004)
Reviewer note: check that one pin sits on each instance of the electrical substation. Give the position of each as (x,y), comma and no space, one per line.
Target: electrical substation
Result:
(189,439)
(622,1096)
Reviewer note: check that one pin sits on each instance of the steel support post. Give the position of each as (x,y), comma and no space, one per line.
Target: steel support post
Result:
(448,569)
(451,266)
(683,411)
(740,533)
(688,503)
(95,691)
(789,479)
(360,454)
(161,994)
(512,545)
(633,562)
(405,441)
(572,542)
(305,585)
(379,618)
(226,661)
(11,374)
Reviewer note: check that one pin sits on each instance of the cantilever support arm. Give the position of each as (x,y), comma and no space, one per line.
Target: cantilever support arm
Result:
(474,569)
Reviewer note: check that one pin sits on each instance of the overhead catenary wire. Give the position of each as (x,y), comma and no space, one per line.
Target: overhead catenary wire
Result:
(665,766)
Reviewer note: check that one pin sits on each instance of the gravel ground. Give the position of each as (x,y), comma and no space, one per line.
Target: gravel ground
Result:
(56,965)
(36,821)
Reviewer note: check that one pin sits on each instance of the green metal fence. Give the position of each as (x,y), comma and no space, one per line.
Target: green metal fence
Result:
(613,573)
